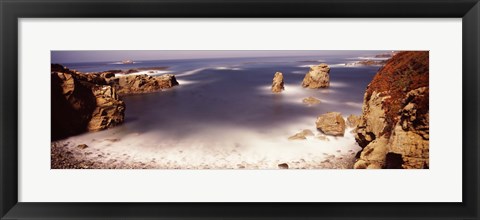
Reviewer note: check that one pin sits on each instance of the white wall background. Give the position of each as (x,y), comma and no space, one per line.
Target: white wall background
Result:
(441,183)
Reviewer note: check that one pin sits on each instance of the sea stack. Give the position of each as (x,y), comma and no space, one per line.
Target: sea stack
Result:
(394,126)
(317,77)
(277,84)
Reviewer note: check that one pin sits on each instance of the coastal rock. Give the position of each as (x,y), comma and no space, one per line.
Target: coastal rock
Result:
(166,81)
(297,136)
(317,77)
(353,121)
(277,84)
(143,83)
(82,146)
(301,135)
(394,126)
(79,105)
(310,101)
(331,123)
(109,109)
(283,166)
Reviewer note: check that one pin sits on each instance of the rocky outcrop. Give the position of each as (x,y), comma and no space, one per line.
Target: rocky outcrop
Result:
(353,121)
(331,123)
(109,109)
(90,101)
(277,84)
(310,101)
(80,105)
(136,84)
(283,166)
(394,127)
(317,77)
(301,135)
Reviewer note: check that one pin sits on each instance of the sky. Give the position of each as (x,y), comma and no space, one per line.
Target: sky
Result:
(138,55)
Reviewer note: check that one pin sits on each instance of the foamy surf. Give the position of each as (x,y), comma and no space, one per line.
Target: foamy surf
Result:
(190,72)
(226,68)
(234,148)
(121,63)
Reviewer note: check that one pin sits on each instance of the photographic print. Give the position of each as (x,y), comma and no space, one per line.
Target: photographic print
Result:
(239,109)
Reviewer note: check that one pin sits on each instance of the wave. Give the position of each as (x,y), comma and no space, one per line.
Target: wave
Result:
(299,72)
(354,104)
(330,65)
(305,66)
(226,68)
(369,58)
(145,72)
(338,65)
(191,72)
(120,63)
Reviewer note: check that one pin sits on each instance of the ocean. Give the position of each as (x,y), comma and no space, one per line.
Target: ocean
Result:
(223,114)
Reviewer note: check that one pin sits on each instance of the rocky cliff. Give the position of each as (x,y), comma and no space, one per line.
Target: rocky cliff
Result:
(394,127)
(89,102)
(82,103)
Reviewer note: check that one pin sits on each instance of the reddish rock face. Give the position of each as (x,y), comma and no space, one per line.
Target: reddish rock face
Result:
(394,126)
(80,105)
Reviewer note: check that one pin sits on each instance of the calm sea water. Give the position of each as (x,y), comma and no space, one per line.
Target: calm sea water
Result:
(223,113)
(236,92)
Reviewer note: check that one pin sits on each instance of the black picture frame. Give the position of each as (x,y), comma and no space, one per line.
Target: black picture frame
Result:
(12,10)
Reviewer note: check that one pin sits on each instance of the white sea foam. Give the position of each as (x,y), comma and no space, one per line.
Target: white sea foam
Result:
(186,82)
(190,72)
(144,72)
(330,65)
(299,72)
(307,66)
(234,147)
(226,68)
(338,65)
(120,63)
(369,58)
(354,104)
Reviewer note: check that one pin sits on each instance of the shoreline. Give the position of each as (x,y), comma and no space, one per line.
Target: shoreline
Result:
(65,155)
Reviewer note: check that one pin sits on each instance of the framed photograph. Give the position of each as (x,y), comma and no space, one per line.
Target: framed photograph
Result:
(239,110)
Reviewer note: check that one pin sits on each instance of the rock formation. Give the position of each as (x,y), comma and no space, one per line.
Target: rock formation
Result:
(301,135)
(310,101)
(89,102)
(317,77)
(353,121)
(394,127)
(283,166)
(331,123)
(277,84)
(79,105)
(136,84)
